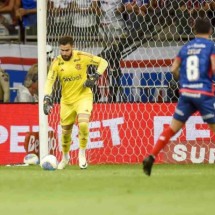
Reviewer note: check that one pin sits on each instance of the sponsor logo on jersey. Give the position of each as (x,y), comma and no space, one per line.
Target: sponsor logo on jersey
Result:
(60,63)
(78,66)
(72,78)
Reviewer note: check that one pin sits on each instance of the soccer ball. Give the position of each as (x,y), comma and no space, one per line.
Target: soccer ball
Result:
(31,159)
(49,162)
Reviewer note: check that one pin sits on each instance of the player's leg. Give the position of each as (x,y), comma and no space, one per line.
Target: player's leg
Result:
(162,141)
(66,141)
(84,108)
(207,109)
(165,136)
(83,123)
(183,110)
(67,115)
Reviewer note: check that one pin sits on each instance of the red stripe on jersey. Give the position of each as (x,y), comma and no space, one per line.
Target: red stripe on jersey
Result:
(196,92)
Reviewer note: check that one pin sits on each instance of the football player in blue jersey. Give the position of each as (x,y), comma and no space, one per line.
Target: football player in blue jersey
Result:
(194,67)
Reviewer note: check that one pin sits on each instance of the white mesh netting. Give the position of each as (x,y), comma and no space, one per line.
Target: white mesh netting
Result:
(136,96)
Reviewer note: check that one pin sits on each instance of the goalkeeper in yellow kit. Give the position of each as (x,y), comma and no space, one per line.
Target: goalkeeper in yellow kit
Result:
(77,99)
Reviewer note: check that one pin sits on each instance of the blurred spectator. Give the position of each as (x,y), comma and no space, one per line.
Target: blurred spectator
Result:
(59,14)
(112,24)
(28,92)
(26,11)
(31,82)
(188,11)
(160,3)
(7,6)
(112,28)
(183,18)
(50,55)
(31,72)
(136,6)
(138,25)
(116,92)
(196,5)
(211,12)
(135,11)
(4,86)
(198,8)
(85,20)
(7,17)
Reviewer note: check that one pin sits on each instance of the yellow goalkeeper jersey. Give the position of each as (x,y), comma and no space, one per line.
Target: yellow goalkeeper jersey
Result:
(72,75)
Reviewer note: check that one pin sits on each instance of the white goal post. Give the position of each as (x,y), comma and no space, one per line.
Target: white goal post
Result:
(42,73)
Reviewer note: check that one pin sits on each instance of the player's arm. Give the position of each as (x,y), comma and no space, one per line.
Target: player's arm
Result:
(52,75)
(213,63)
(4,82)
(101,65)
(175,68)
(8,8)
(173,84)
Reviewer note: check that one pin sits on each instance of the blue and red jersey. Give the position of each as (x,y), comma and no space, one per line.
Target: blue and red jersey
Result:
(195,69)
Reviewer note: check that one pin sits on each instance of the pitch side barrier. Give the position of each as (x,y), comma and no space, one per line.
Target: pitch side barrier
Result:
(121,133)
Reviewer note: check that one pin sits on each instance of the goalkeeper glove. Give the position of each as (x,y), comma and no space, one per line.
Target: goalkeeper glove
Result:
(90,82)
(47,104)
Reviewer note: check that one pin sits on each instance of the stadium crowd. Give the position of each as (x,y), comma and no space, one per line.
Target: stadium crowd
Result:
(16,16)
(127,23)
(108,18)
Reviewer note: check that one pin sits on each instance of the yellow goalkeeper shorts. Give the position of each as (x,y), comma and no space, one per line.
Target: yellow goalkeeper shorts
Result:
(69,112)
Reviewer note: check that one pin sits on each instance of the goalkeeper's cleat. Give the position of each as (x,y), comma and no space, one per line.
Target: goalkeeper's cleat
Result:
(62,164)
(82,159)
(147,164)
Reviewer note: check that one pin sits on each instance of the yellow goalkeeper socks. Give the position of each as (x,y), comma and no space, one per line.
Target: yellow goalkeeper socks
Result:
(83,134)
(66,141)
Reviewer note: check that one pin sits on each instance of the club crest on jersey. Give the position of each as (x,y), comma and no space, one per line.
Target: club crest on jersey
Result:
(78,66)
(60,63)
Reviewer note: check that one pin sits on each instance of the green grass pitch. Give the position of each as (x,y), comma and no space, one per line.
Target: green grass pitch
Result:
(108,190)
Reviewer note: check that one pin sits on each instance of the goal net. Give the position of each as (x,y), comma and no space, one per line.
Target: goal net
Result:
(136,97)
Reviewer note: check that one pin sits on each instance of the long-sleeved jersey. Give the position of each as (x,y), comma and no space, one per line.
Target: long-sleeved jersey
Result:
(195,70)
(72,75)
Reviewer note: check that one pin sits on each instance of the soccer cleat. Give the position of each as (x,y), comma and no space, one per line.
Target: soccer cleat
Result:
(62,164)
(82,159)
(147,164)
